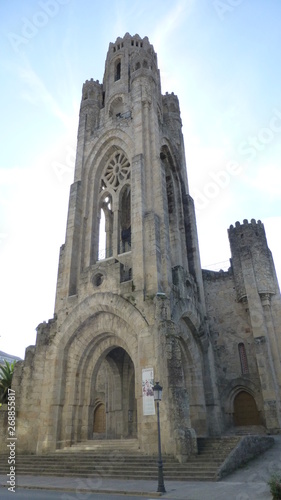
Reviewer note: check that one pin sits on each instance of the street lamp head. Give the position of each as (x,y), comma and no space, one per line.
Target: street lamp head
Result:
(157,390)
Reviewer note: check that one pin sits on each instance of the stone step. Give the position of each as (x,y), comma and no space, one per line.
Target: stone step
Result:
(215,445)
(247,430)
(200,476)
(116,466)
(82,459)
(110,444)
(79,469)
(39,462)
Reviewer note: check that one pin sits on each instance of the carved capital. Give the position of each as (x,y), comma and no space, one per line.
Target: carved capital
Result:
(265,299)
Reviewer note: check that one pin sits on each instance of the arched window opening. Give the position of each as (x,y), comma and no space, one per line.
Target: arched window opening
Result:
(106,229)
(138,65)
(114,208)
(125,220)
(243,358)
(170,195)
(118,71)
(116,107)
(174,234)
(174,209)
(145,65)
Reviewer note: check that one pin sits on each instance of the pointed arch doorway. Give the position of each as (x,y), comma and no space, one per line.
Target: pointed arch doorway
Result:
(245,410)
(113,396)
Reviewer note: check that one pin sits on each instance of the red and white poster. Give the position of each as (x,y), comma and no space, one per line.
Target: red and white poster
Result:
(147,391)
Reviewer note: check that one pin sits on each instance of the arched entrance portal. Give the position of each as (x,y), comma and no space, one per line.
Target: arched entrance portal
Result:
(245,410)
(113,397)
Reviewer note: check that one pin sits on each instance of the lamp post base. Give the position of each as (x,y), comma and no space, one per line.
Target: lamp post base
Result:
(161,486)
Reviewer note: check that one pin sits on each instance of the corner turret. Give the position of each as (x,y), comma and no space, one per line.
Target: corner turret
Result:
(248,241)
(257,289)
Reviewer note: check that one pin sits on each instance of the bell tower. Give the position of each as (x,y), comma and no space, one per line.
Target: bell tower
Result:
(131,232)
(130,296)
(130,199)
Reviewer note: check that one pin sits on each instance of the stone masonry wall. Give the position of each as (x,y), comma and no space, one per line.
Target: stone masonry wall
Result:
(229,326)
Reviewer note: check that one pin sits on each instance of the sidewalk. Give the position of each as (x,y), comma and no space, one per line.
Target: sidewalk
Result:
(248,483)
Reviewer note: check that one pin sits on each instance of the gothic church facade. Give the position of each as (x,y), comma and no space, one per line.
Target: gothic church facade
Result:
(131,294)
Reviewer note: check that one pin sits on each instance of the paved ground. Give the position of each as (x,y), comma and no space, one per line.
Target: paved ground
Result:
(248,483)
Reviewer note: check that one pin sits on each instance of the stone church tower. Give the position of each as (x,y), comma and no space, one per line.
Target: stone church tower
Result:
(130,302)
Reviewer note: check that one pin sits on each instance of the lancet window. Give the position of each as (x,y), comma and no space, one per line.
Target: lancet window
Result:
(125,220)
(172,207)
(117,75)
(243,358)
(106,227)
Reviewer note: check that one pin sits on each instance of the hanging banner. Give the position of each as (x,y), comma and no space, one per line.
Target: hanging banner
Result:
(147,391)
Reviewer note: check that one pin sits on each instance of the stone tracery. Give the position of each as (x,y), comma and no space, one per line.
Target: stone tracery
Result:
(116,172)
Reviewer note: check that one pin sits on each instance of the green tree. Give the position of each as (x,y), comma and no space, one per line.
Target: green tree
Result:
(6,375)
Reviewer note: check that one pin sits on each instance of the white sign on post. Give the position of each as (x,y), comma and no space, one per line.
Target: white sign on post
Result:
(147,391)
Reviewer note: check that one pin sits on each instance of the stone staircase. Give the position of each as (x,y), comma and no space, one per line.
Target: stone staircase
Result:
(121,459)
(216,448)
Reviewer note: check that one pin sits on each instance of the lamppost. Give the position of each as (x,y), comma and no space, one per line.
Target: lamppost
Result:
(157,390)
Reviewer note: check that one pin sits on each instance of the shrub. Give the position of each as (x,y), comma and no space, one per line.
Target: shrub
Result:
(6,375)
(275,486)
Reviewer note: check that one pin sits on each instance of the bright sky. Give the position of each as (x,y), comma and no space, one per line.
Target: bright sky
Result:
(222,59)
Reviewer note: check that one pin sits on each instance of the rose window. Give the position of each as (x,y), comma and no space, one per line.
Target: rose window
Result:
(117,171)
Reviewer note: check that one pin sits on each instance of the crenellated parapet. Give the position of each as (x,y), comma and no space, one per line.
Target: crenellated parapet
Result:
(134,45)
(130,58)
(247,229)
